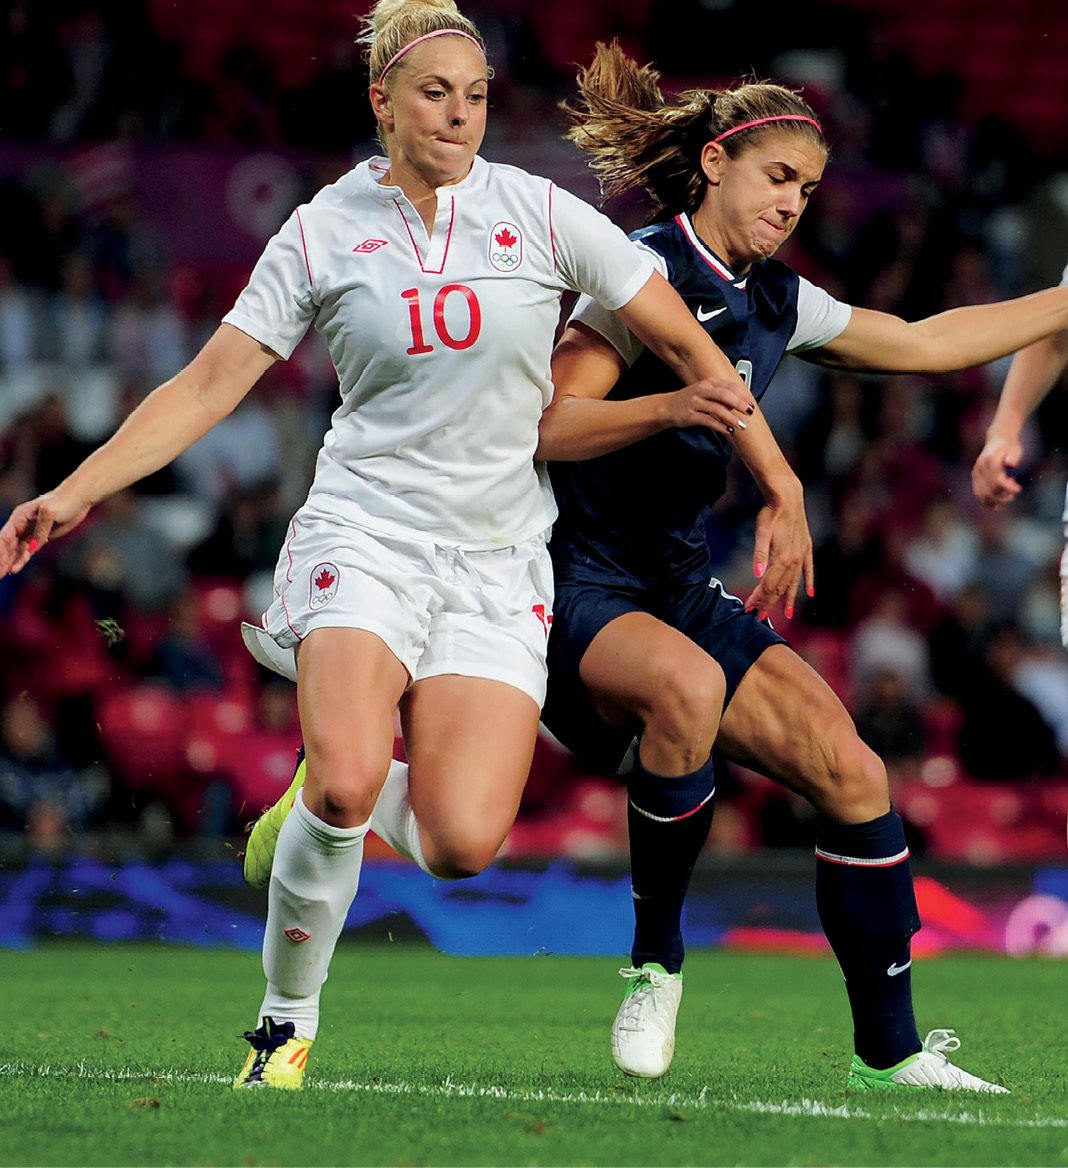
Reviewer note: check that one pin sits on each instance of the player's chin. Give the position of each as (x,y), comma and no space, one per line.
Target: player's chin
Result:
(768,241)
(766,247)
(449,162)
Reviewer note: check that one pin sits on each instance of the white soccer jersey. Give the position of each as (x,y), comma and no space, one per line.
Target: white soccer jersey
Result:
(441,344)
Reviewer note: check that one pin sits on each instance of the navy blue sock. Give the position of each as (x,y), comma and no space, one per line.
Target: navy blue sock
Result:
(868,910)
(668,820)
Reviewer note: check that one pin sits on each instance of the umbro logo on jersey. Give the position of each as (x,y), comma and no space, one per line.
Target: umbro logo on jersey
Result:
(505,246)
(708,314)
(370,245)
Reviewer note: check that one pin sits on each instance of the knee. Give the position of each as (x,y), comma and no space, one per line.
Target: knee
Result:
(853,786)
(684,711)
(343,808)
(341,796)
(459,856)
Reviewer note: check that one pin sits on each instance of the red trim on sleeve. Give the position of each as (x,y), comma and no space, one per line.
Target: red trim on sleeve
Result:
(552,234)
(304,244)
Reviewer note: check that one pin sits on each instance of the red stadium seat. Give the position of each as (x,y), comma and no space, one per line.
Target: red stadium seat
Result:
(143,729)
(983,823)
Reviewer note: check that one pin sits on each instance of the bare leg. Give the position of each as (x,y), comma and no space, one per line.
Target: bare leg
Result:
(785,721)
(638,668)
(348,685)
(470,742)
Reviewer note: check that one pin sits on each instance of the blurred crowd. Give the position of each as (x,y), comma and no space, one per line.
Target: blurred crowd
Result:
(126,698)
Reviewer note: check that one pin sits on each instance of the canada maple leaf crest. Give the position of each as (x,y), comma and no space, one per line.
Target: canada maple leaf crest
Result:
(505,247)
(322,583)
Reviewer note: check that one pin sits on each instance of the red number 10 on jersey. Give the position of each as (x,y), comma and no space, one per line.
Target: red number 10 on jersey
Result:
(415,315)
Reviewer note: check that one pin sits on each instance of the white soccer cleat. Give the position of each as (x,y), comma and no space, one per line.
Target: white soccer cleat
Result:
(927,1068)
(643,1034)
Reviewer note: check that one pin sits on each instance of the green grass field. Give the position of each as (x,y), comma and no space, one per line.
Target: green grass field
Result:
(124,1055)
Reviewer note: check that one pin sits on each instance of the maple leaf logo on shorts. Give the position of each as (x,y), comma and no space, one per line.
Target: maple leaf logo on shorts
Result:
(323,588)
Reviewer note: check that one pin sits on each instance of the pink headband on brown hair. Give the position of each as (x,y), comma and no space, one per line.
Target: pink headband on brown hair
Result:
(761,122)
(426,37)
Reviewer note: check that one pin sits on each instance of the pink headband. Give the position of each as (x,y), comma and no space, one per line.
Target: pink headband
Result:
(426,37)
(760,122)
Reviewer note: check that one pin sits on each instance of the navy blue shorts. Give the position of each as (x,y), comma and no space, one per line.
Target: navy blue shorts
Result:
(711,618)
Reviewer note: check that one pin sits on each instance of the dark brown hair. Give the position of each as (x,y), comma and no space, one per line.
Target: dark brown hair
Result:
(637,139)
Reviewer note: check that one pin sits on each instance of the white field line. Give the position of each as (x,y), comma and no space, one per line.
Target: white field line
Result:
(449,1089)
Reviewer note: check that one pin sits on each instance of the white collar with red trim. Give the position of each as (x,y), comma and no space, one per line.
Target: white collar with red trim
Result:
(707,254)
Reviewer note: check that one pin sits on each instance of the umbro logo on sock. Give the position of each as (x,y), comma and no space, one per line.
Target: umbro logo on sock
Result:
(296,935)
(894,969)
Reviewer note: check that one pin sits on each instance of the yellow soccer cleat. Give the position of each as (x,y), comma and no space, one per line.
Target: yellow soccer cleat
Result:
(258,856)
(277,1058)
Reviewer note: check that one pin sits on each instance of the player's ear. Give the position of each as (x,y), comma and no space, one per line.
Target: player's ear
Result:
(713,159)
(381,105)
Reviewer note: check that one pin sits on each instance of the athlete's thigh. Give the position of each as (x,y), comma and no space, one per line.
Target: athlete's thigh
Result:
(633,661)
(348,685)
(718,622)
(470,743)
(784,720)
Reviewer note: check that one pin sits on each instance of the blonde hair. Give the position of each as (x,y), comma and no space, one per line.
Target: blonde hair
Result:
(391,25)
(636,139)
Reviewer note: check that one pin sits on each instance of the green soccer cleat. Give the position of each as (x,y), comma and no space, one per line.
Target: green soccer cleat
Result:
(258,856)
(643,1033)
(277,1058)
(927,1068)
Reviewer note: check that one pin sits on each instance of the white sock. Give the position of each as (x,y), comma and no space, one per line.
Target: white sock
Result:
(302,1012)
(314,880)
(393,819)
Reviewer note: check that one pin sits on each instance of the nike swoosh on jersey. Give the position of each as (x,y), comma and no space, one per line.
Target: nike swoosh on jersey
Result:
(894,969)
(702,315)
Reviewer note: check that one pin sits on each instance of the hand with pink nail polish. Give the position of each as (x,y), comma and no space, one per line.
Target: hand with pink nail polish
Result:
(31,525)
(782,555)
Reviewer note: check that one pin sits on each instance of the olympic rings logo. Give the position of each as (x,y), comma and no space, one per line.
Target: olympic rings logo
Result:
(508,259)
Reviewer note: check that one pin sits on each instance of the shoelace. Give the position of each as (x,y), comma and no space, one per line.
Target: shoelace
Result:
(656,980)
(269,1037)
(941,1043)
(653,980)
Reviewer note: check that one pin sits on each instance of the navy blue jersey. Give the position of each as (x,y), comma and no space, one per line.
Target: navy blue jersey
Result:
(639,513)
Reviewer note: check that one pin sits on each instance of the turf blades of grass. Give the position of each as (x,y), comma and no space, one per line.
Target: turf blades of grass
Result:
(124,1055)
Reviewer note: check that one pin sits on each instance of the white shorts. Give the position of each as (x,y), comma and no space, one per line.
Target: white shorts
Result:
(440,609)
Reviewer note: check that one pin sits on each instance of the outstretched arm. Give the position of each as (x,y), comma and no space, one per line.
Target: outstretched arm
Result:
(167,422)
(957,339)
(1031,375)
(579,424)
